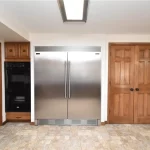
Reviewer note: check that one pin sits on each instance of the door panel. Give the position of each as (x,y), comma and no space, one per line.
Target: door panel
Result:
(24,50)
(142,82)
(11,50)
(84,77)
(121,81)
(50,75)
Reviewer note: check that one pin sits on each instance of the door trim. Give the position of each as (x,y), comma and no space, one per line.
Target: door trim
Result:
(127,44)
(109,75)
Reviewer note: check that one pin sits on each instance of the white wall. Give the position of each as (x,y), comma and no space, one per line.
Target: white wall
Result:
(75,40)
(83,40)
(72,40)
(3,83)
(32,82)
(128,38)
(12,22)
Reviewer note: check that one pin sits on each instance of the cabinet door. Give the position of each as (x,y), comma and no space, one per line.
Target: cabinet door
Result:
(142,85)
(121,83)
(24,50)
(11,50)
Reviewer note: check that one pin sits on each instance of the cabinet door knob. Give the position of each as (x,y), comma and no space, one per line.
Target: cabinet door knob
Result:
(131,89)
(137,89)
(10,50)
(24,50)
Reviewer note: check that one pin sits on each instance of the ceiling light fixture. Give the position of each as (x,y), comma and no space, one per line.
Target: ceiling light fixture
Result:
(73,10)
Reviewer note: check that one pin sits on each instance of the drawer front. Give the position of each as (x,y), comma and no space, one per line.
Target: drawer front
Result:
(24,50)
(11,50)
(18,116)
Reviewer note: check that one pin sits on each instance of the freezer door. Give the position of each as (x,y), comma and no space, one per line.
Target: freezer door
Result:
(50,85)
(84,85)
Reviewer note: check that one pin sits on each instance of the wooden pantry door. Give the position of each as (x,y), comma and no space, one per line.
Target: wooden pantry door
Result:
(142,84)
(121,84)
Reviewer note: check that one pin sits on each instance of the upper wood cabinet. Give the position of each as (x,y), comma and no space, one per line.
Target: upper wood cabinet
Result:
(24,50)
(11,50)
(17,51)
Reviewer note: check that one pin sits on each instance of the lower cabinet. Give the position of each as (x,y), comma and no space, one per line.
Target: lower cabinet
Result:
(18,116)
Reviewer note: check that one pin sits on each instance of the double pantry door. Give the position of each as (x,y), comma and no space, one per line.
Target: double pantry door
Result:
(129,83)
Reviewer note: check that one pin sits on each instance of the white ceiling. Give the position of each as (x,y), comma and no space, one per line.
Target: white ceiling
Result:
(105,17)
(6,34)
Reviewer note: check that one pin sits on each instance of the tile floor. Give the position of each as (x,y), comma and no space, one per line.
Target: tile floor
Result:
(23,136)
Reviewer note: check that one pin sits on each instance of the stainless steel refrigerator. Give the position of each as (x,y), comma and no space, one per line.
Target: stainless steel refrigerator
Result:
(67,86)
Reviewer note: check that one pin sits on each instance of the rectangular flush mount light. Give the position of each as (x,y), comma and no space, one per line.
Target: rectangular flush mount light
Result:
(73,10)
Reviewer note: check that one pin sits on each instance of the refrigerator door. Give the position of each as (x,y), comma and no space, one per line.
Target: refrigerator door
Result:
(50,85)
(84,85)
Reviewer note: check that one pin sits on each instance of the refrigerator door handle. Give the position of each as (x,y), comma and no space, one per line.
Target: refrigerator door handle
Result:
(66,68)
(69,77)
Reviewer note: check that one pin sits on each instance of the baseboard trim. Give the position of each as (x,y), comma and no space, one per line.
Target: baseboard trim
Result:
(4,122)
(14,120)
(32,123)
(103,123)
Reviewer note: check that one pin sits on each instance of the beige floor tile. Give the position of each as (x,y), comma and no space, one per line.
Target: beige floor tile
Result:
(23,136)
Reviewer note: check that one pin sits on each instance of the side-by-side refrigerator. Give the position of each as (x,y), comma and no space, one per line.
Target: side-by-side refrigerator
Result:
(67,87)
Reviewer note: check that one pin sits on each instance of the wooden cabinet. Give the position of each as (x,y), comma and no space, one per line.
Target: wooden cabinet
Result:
(18,116)
(11,50)
(24,50)
(17,51)
(129,83)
